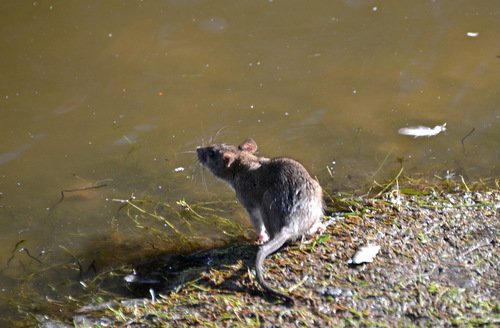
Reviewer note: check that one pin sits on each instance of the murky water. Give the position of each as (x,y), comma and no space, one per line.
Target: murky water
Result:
(116,94)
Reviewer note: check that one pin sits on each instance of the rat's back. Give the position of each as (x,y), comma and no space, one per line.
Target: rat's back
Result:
(293,199)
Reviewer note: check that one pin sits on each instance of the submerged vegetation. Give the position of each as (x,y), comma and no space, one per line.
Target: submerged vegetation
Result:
(438,265)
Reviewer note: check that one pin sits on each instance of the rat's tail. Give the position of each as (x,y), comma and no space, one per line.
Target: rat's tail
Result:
(265,250)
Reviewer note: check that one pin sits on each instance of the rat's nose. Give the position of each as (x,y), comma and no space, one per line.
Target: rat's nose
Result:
(200,152)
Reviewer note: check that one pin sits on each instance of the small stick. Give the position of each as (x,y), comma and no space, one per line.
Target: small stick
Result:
(23,249)
(383,163)
(297,285)
(81,189)
(466,136)
(472,249)
(463,181)
(77,261)
(12,254)
(391,182)
(92,266)
(73,190)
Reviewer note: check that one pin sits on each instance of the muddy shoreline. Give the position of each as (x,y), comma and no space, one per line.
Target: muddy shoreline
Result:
(438,266)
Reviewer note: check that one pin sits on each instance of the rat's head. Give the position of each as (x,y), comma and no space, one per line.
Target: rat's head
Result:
(223,159)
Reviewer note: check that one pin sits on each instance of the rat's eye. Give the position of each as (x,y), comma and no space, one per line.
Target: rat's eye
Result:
(211,153)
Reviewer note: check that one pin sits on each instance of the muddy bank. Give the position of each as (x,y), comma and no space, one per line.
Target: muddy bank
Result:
(438,265)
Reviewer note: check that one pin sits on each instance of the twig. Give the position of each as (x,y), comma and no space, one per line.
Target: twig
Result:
(391,182)
(383,163)
(74,190)
(472,249)
(76,260)
(23,249)
(297,285)
(12,254)
(463,181)
(81,189)
(466,136)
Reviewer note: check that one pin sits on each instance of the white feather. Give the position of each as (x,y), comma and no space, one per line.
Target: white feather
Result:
(422,131)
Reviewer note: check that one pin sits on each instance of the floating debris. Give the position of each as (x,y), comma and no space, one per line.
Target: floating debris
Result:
(422,131)
(179,169)
(136,279)
(472,34)
(364,254)
(153,295)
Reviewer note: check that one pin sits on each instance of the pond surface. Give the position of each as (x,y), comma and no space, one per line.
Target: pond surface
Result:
(112,98)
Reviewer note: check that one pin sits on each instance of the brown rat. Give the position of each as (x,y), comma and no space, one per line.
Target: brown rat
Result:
(283,201)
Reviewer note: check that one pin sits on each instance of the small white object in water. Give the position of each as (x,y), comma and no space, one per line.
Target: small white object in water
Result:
(472,34)
(179,169)
(153,295)
(130,278)
(364,254)
(422,131)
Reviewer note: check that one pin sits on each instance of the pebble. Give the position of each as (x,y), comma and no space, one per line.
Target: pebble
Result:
(334,291)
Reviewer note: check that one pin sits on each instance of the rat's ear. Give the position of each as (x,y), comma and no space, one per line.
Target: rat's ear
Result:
(248,145)
(228,159)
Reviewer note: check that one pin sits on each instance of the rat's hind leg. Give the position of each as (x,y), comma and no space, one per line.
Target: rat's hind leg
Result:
(317,227)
